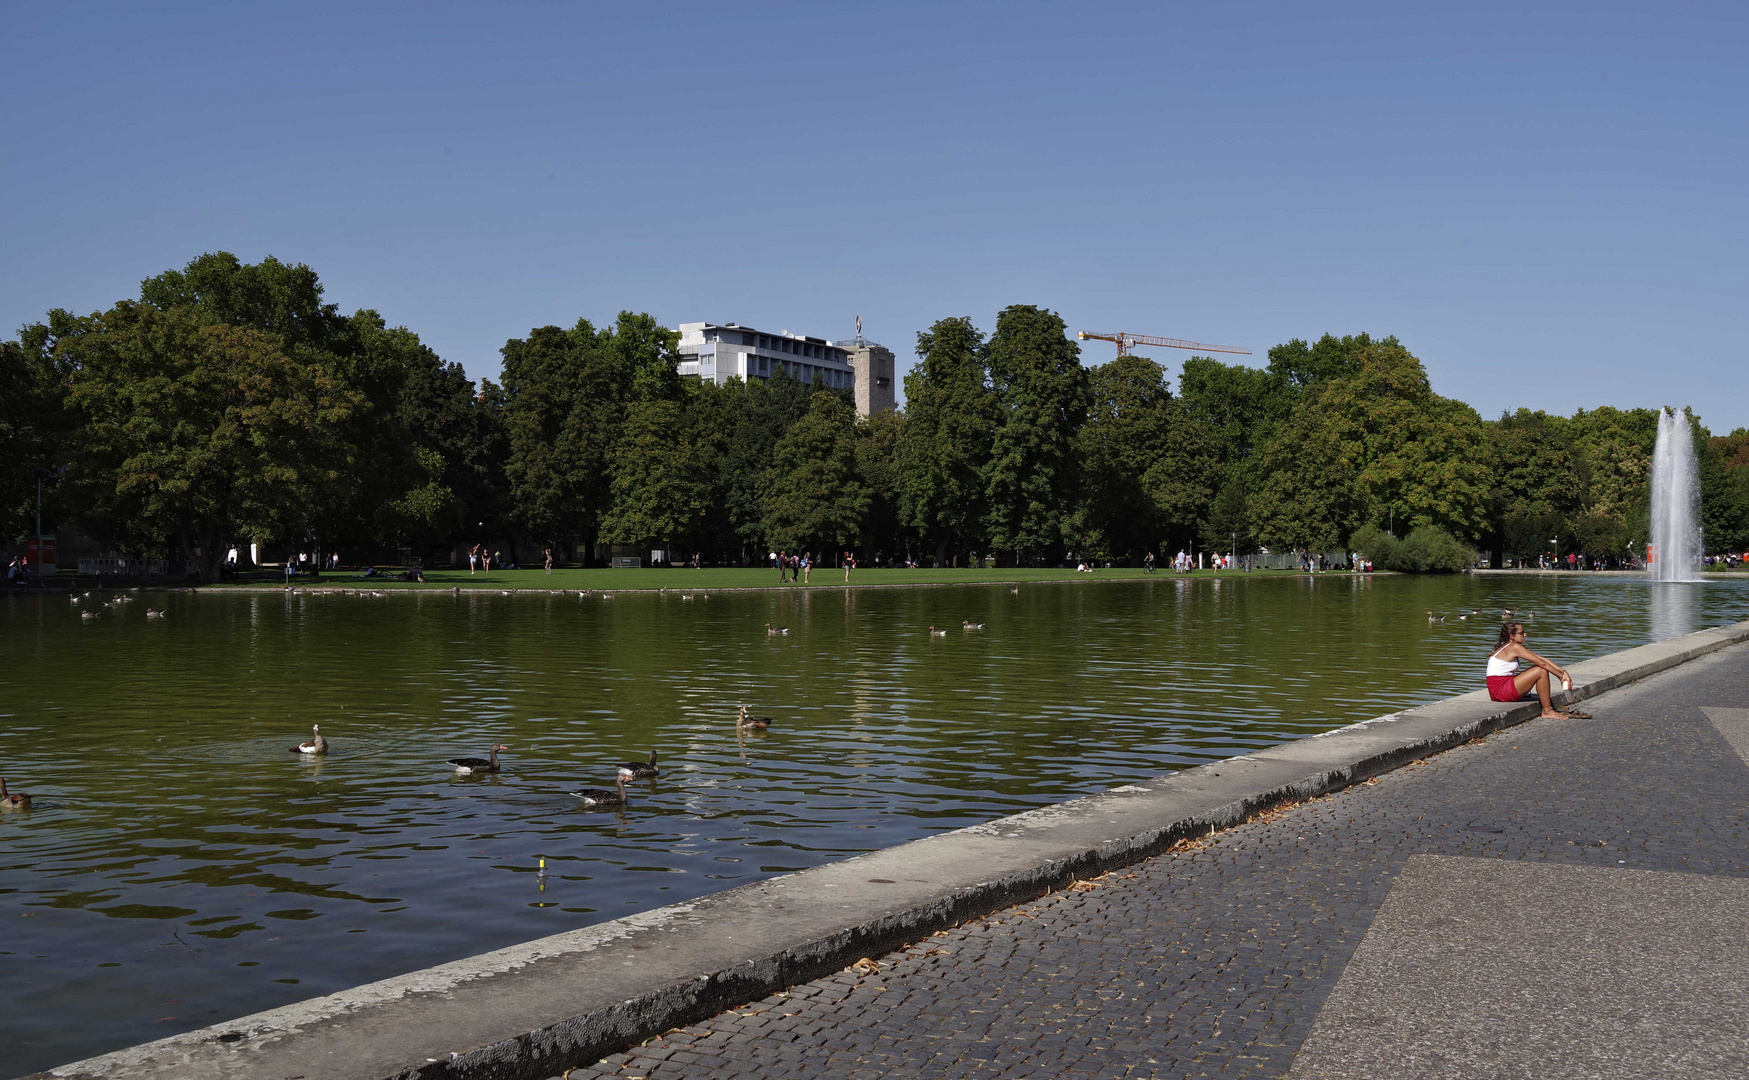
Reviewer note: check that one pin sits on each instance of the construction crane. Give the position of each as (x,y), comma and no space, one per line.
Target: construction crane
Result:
(1126,342)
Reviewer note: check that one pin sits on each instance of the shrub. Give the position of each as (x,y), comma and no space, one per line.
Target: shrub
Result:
(1431,550)
(1427,549)
(1373,542)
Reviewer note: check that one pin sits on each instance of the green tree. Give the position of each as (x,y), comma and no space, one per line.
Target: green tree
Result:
(1536,483)
(1310,496)
(33,426)
(566,397)
(1149,470)
(950,414)
(879,439)
(1041,401)
(815,500)
(197,434)
(1241,406)
(661,487)
(759,415)
(1301,366)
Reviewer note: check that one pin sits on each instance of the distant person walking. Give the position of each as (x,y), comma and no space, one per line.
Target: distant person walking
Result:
(1148,563)
(782,566)
(548,552)
(1507,683)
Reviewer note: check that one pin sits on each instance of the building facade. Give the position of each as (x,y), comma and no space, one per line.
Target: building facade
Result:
(732,351)
(720,352)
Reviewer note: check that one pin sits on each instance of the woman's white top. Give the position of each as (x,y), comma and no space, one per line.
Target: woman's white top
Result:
(1497,666)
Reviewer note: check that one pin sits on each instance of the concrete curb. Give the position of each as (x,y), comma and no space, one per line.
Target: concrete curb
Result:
(529,1011)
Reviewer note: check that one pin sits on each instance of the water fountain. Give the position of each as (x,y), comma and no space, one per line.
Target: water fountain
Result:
(1675,549)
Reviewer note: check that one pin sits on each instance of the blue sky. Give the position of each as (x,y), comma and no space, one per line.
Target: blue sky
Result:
(1544,202)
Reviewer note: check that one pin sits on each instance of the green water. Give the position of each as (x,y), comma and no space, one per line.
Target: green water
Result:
(181,867)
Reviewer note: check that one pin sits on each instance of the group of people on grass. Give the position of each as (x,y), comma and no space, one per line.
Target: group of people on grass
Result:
(797,567)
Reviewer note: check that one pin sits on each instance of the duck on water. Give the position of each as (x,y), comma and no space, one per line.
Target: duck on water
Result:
(467,765)
(639,770)
(315,744)
(13,800)
(591,796)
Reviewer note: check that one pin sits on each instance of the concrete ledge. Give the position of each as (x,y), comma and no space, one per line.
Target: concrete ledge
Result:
(529,1011)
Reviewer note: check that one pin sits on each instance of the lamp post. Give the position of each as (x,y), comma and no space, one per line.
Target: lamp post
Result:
(40,475)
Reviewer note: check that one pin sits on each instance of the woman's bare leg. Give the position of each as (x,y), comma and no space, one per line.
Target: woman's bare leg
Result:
(1540,679)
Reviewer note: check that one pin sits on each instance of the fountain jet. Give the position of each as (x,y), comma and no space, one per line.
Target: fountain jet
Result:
(1675,550)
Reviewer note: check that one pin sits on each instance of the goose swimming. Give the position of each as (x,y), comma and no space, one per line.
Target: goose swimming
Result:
(639,770)
(466,765)
(315,744)
(13,800)
(746,721)
(593,796)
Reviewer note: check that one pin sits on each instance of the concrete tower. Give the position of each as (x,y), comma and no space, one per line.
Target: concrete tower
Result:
(873,365)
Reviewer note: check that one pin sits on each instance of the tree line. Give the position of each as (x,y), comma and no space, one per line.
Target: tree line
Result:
(230,404)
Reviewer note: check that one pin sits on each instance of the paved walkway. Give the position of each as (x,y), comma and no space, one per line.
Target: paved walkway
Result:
(1564,899)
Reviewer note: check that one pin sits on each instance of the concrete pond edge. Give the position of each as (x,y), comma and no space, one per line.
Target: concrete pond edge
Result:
(529,1011)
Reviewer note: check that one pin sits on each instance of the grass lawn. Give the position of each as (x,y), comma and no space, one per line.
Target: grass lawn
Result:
(719,578)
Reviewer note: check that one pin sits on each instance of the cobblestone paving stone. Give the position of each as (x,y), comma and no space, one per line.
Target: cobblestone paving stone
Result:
(1213,961)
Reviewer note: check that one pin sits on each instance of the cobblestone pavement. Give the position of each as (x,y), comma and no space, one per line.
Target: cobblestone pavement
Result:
(1214,961)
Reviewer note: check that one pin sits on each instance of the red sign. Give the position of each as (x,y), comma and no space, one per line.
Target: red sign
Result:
(39,558)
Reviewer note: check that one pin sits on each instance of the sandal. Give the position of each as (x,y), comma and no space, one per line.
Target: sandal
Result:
(1578,714)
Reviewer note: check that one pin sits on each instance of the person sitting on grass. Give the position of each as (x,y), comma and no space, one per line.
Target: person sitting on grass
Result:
(1507,683)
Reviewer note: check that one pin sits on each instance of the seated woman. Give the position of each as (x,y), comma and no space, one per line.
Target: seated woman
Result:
(1507,683)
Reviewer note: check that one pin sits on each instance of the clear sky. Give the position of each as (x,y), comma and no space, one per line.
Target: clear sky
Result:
(1545,202)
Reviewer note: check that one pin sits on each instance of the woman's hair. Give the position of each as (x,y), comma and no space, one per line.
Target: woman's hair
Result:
(1507,629)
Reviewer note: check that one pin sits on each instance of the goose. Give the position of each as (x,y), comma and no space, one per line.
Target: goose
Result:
(774,631)
(752,721)
(1461,618)
(594,796)
(1431,617)
(639,770)
(73,599)
(466,765)
(315,744)
(967,624)
(154,613)
(933,632)
(1530,614)
(686,596)
(13,800)
(1015,590)
(607,596)
(88,614)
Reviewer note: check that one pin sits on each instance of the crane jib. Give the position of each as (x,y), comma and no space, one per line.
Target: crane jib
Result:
(1125,342)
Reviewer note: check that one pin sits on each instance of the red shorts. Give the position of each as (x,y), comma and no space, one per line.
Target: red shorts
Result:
(1503,688)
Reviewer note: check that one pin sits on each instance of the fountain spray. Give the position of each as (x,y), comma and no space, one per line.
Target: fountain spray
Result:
(1675,550)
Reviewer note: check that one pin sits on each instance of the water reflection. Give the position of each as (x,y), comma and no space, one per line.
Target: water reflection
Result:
(1672,605)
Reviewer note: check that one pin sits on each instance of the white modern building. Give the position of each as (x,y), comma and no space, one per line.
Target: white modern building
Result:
(733,351)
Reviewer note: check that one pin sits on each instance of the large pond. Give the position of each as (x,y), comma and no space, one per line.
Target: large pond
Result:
(181,867)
